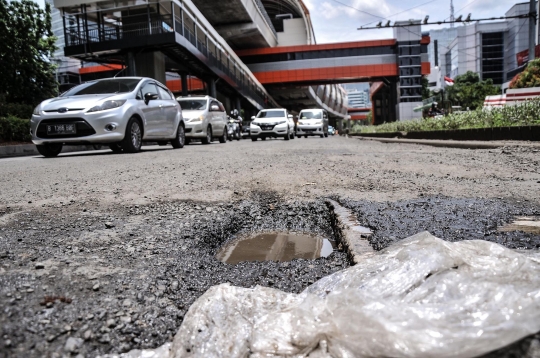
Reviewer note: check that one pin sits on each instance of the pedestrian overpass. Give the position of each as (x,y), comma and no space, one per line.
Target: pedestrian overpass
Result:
(393,64)
(149,38)
(152,37)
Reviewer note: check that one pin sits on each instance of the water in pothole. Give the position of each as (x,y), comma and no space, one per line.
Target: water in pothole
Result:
(275,247)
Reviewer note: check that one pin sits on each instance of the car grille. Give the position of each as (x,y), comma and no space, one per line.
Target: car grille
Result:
(266,127)
(83,128)
(64,110)
(188,130)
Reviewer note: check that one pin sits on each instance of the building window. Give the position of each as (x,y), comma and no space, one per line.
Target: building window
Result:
(493,57)
(448,61)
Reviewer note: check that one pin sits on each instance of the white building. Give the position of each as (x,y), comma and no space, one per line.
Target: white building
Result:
(440,41)
(67,72)
(492,49)
(358,98)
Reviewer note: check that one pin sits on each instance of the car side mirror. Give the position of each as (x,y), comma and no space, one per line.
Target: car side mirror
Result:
(289,116)
(252,118)
(150,97)
(214,108)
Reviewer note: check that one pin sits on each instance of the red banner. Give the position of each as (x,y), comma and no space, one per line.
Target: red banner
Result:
(523,56)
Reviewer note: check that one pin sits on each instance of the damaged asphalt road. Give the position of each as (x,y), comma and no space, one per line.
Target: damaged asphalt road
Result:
(117,287)
(99,254)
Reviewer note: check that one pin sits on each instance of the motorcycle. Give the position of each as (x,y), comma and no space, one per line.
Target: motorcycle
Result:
(234,126)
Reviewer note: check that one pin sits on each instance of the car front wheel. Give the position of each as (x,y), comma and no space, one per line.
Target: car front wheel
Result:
(133,139)
(49,150)
(180,139)
(223,138)
(208,138)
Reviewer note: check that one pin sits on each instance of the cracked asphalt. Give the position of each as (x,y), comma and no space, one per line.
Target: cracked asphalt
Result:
(104,253)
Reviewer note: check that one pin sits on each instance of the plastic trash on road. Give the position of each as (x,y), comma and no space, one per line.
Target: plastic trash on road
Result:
(422,297)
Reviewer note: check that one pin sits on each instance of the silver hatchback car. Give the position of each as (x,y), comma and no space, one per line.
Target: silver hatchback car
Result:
(118,112)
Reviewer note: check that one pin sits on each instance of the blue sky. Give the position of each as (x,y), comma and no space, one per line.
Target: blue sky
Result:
(338,20)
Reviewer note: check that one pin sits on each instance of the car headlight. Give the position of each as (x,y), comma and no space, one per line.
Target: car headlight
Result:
(317,123)
(255,123)
(37,110)
(197,119)
(107,105)
(280,122)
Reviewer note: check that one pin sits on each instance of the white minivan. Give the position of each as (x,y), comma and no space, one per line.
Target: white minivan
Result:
(275,122)
(312,122)
(205,118)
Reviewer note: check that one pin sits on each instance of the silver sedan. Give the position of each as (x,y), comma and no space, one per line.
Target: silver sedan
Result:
(118,112)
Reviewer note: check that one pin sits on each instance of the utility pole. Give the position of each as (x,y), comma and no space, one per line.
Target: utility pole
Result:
(532,29)
(452,13)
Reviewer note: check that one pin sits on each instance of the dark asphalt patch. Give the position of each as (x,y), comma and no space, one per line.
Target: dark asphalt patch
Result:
(450,219)
(130,274)
(453,220)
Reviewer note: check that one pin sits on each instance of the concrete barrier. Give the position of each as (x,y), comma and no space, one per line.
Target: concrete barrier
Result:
(525,133)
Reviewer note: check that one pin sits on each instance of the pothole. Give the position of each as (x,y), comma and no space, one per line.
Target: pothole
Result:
(528,224)
(275,246)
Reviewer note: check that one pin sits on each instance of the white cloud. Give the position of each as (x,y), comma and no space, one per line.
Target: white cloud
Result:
(361,10)
(335,22)
(329,11)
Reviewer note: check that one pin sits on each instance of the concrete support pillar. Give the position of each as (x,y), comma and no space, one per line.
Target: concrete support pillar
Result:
(151,64)
(131,68)
(184,80)
(212,92)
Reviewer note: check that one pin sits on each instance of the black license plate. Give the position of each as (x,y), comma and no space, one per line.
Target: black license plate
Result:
(61,129)
(266,128)
(308,130)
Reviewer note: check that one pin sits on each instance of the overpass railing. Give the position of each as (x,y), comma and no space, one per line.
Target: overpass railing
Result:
(263,12)
(162,18)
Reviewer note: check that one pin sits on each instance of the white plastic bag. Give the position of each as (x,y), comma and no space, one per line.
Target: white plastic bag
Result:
(422,297)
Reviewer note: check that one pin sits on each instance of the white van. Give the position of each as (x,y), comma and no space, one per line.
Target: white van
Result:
(205,119)
(312,122)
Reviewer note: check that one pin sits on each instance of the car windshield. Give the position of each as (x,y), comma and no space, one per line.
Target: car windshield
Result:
(116,85)
(271,114)
(193,104)
(310,115)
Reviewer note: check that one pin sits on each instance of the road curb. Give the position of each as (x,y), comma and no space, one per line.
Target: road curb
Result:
(520,133)
(452,143)
(22,150)
(354,237)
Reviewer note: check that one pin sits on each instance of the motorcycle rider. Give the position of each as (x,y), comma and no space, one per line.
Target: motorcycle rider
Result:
(434,110)
(235,114)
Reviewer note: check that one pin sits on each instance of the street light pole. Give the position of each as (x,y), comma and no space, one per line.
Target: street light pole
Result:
(532,29)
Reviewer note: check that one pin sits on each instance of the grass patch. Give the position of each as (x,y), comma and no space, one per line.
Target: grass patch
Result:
(526,114)
(13,129)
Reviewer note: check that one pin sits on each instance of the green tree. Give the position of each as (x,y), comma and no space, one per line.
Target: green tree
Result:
(530,77)
(426,93)
(369,118)
(469,91)
(26,44)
